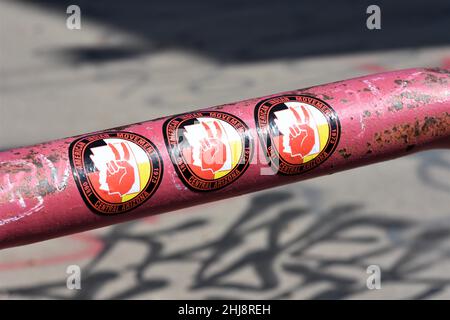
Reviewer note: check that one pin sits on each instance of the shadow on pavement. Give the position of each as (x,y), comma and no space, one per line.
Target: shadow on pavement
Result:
(234,32)
(231,31)
(276,257)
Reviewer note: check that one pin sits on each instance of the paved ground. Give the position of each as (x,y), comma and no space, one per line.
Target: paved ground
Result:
(308,240)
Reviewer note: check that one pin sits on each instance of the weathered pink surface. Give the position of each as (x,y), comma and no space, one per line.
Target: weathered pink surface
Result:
(382,116)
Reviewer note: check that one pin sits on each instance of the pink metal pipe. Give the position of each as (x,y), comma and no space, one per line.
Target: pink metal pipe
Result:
(90,181)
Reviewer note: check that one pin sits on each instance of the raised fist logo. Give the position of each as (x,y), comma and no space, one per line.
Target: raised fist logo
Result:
(213,150)
(295,130)
(301,134)
(120,172)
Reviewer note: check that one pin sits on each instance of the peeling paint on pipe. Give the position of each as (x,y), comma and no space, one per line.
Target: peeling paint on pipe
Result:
(107,177)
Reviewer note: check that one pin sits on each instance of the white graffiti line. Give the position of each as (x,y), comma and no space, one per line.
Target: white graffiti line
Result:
(21,201)
(9,187)
(17,217)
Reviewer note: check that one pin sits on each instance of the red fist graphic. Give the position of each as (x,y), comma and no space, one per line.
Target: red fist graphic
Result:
(120,174)
(213,150)
(301,136)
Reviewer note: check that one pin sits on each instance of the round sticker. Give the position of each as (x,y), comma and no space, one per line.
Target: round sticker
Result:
(297,132)
(209,149)
(115,172)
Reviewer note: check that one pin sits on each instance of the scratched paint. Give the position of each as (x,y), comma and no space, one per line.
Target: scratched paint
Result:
(381,117)
(26,182)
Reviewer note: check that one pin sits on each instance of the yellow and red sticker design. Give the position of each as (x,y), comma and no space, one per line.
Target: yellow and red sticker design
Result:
(208,149)
(297,132)
(115,171)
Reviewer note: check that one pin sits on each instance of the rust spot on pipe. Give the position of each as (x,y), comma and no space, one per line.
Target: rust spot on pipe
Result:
(410,100)
(433,79)
(409,132)
(438,70)
(403,83)
(369,148)
(344,153)
(367,113)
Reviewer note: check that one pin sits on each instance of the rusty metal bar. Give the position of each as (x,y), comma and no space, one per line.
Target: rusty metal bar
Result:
(90,181)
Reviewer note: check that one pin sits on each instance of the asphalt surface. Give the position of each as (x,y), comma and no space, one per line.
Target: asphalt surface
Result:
(313,239)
